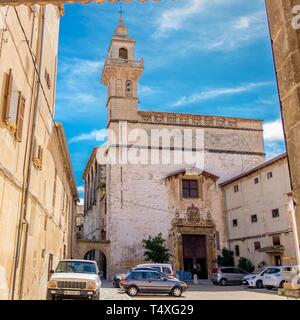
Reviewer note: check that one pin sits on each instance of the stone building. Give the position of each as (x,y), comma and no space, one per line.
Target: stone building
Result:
(259,208)
(37,189)
(181,200)
(284,22)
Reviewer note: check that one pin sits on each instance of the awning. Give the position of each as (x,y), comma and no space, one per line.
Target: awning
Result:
(272,249)
(59,2)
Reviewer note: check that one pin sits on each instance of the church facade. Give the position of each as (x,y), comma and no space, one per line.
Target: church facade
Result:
(180,199)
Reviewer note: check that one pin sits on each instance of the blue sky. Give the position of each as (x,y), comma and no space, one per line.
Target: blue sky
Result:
(201,56)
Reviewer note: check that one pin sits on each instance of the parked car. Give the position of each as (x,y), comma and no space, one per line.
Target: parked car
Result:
(164,268)
(74,279)
(274,277)
(151,281)
(255,279)
(118,277)
(227,275)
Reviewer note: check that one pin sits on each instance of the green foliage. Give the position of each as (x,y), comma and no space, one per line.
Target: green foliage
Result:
(155,249)
(246,265)
(226,259)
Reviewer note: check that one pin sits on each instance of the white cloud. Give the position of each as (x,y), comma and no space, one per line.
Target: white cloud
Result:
(215,93)
(97,135)
(80,189)
(173,18)
(273,131)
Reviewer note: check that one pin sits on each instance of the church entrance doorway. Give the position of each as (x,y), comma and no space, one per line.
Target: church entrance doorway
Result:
(195,255)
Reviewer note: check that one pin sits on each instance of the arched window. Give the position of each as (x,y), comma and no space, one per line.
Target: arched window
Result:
(128,88)
(123,53)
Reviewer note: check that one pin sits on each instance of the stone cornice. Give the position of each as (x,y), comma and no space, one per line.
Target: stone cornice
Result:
(194,120)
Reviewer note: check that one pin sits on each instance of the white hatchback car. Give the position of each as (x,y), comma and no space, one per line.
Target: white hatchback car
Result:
(274,277)
(255,279)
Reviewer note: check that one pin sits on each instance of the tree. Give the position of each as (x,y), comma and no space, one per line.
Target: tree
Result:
(246,265)
(155,249)
(226,259)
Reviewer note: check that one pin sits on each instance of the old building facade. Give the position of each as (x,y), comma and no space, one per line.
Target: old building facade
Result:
(37,189)
(181,200)
(259,208)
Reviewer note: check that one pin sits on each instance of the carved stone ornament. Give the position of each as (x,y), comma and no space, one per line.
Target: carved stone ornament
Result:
(193,214)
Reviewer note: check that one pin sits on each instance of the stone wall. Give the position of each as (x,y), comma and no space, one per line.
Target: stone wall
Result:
(286,46)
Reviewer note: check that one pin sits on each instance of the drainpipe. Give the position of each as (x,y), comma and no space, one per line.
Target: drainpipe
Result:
(293,218)
(21,254)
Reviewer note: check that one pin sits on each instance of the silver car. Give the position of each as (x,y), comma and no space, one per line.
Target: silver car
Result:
(148,281)
(227,275)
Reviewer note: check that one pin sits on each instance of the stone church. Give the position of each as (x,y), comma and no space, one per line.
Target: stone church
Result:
(127,202)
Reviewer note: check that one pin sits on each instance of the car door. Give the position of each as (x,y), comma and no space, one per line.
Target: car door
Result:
(230,275)
(239,275)
(157,282)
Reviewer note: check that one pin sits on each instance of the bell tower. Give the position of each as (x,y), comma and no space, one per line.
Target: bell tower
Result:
(120,74)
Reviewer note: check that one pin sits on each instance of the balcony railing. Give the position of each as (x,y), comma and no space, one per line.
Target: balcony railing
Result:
(124,62)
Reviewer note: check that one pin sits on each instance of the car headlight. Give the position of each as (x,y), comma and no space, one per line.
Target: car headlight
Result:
(52,284)
(92,285)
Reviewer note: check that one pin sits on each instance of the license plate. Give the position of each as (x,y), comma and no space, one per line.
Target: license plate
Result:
(72,293)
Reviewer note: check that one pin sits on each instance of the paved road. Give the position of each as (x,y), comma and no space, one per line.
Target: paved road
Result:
(203,291)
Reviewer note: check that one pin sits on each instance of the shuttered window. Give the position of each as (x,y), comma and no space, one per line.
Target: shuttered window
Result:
(7,94)
(20,118)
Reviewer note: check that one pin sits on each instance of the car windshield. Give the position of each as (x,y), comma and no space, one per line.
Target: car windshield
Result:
(258,271)
(76,267)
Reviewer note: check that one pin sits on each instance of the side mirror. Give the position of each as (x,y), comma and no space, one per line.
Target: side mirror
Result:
(51,272)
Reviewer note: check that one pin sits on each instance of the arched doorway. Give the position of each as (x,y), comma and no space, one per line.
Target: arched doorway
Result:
(100,258)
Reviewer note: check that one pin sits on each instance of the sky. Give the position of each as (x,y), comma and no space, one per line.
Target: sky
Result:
(201,56)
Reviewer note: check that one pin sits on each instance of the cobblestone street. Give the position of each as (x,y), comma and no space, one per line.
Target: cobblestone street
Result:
(203,291)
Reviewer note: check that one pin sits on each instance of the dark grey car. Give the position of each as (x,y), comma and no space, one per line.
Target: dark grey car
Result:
(227,275)
(146,281)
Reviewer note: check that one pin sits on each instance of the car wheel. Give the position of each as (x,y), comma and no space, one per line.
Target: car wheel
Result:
(176,292)
(259,284)
(118,283)
(97,296)
(132,291)
(281,284)
(223,282)
(50,296)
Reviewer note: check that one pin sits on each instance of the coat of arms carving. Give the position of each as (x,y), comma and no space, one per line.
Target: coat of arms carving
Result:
(193,214)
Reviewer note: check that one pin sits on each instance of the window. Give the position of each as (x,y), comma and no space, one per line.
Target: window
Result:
(237,251)
(13,107)
(256,245)
(37,158)
(155,276)
(123,53)
(236,188)
(128,89)
(190,188)
(48,79)
(235,222)
(276,241)
(166,270)
(275,213)
(270,175)
(254,218)
(256,180)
